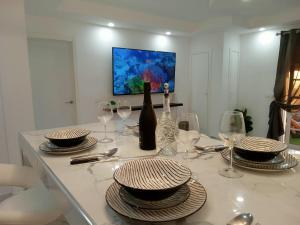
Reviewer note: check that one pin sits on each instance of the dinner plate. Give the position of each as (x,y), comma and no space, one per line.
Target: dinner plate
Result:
(259,148)
(87,144)
(67,137)
(178,197)
(154,174)
(288,163)
(192,204)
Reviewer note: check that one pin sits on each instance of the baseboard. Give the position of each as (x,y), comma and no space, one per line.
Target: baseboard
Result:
(5,192)
(5,196)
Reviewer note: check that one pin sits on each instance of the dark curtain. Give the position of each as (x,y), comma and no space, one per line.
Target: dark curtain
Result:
(287,87)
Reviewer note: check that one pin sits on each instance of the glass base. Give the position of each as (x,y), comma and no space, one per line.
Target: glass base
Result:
(168,151)
(106,140)
(230,173)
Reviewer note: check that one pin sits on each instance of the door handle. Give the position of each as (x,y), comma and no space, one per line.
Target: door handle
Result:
(70,102)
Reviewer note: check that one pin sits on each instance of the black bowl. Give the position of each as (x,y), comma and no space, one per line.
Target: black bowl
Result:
(255,155)
(258,148)
(67,142)
(151,195)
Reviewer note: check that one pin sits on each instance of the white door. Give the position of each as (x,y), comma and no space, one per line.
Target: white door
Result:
(233,74)
(200,76)
(53,85)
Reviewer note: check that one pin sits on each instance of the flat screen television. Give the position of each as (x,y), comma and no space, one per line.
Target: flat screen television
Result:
(131,67)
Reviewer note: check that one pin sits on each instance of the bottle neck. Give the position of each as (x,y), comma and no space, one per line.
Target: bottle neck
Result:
(166,104)
(147,98)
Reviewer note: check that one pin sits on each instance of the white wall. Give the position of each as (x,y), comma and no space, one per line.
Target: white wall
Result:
(212,43)
(92,59)
(16,111)
(259,55)
(15,90)
(231,60)
(220,46)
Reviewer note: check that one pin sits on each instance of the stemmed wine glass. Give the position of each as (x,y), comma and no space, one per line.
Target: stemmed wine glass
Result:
(105,114)
(124,111)
(232,129)
(188,133)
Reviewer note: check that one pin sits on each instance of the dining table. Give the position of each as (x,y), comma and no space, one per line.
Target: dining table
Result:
(273,198)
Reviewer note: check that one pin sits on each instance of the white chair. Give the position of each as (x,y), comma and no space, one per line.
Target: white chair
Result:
(33,206)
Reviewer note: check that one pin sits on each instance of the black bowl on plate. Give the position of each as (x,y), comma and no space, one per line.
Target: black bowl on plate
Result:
(152,178)
(67,142)
(259,149)
(67,137)
(255,155)
(152,195)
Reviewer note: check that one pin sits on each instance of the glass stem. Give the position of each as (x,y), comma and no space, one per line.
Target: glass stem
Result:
(105,131)
(231,151)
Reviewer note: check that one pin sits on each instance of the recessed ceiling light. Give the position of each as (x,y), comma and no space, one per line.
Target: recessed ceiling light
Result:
(111,24)
(246,0)
(168,33)
(262,29)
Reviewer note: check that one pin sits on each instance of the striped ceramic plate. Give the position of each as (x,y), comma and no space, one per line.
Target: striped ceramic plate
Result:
(87,144)
(193,203)
(155,174)
(72,133)
(178,197)
(260,144)
(288,163)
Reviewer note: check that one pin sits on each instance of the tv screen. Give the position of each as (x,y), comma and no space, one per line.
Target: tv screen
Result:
(131,67)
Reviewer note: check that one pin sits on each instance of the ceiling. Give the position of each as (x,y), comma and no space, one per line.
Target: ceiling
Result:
(182,17)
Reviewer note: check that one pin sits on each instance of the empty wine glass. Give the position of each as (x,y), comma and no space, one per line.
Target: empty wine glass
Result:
(124,111)
(188,133)
(105,114)
(232,129)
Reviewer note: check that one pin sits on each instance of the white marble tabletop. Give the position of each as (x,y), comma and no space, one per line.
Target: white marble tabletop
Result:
(273,198)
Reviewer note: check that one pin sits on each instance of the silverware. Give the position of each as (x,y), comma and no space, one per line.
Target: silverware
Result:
(108,153)
(242,219)
(210,148)
(93,158)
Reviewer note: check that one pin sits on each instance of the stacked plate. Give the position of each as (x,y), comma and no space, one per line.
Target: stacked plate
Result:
(68,141)
(259,153)
(155,190)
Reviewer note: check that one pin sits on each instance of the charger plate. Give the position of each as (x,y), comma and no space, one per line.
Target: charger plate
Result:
(193,203)
(49,148)
(155,174)
(288,163)
(178,197)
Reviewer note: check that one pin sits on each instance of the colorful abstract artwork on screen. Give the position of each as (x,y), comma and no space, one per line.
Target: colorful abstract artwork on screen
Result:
(132,67)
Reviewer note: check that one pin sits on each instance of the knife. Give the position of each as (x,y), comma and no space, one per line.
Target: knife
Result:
(93,158)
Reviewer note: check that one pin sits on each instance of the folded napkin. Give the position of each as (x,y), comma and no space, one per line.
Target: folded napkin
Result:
(205,142)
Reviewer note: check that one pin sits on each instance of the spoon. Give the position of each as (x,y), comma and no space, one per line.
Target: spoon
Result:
(242,219)
(108,153)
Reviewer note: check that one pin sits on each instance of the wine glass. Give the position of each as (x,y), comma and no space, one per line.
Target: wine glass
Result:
(232,129)
(188,133)
(105,114)
(124,111)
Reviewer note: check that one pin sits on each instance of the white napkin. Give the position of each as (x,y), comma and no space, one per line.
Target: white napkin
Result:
(206,141)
